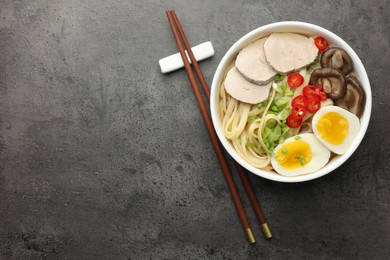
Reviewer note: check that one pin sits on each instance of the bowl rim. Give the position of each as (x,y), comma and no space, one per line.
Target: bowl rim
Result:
(297,27)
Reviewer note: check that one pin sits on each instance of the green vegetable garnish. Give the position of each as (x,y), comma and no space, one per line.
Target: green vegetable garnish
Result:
(278,77)
(284,151)
(314,62)
(275,134)
(297,137)
(270,123)
(251,119)
(263,104)
(284,114)
(251,145)
(267,131)
(260,149)
(275,108)
(285,127)
(286,135)
(301,159)
(289,93)
(283,87)
(282,101)
(277,88)
(312,65)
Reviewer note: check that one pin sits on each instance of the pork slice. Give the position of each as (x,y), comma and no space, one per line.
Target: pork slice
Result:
(287,52)
(253,65)
(241,89)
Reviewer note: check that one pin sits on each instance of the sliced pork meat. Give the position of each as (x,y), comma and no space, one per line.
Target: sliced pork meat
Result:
(253,65)
(287,52)
(241,89)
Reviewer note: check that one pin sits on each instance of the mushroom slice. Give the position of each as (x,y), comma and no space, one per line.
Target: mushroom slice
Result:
(337,58)
(286,52)
(333,81)
(252,64)
(306,127)
(354,98)
(241,89)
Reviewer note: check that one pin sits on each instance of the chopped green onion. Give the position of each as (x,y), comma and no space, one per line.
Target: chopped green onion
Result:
(251,145)
(263,104)
(283,87)
(269,143)
(276,87)
(251,119)
(284,114)
(314,62)
(260,149)
(275,134)
(297,137)
(301,159)
(312,65)
(289,93)
(285,129)
(284,151)
(282,101)
(266,142)
(286,135)
(270,123)
(274,108)
(278,77)
(267,131)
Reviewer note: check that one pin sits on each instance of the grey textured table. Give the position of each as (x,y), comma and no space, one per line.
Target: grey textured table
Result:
(103,157)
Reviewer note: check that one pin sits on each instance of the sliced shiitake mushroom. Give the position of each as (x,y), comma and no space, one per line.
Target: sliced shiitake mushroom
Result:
(306,127)
(354,98)
(332,80)
(337,58)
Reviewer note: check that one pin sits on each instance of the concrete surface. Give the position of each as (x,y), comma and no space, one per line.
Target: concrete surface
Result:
(103,157)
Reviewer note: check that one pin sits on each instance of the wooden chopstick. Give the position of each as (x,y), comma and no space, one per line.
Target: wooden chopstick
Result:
(194,62)
(213,135)
(241,171)
(179,37)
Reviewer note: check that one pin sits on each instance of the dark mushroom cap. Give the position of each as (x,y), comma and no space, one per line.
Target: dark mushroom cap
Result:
(337,58)
(332,80)
(354,98)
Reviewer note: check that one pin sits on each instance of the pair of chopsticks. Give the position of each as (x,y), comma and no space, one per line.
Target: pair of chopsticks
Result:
(181,40)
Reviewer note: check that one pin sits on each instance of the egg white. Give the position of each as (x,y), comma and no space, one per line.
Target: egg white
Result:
(320,156)
(354,127)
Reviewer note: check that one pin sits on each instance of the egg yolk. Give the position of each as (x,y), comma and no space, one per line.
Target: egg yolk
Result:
(333,127)
(294,155)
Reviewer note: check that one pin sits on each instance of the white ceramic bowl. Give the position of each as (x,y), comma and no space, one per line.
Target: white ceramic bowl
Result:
(303,28)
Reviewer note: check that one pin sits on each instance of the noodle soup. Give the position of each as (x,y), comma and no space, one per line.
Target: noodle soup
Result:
(259,133)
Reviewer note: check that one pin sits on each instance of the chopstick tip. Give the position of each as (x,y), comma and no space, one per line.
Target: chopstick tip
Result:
(249,236)
(266,231)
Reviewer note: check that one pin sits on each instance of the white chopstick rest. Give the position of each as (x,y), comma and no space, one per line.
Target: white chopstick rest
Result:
(174,62)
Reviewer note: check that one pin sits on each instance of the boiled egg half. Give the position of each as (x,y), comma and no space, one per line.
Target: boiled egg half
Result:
(336,128)
(299,155)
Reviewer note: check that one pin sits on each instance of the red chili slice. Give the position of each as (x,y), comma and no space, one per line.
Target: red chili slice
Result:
(298,111)
(294,80)
(321,93)
(321,43)
(298,100)
(313,104)
(309,91)
(292,122)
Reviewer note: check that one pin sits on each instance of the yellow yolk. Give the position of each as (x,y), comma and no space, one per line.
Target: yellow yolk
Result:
(294,155)
(333,127)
